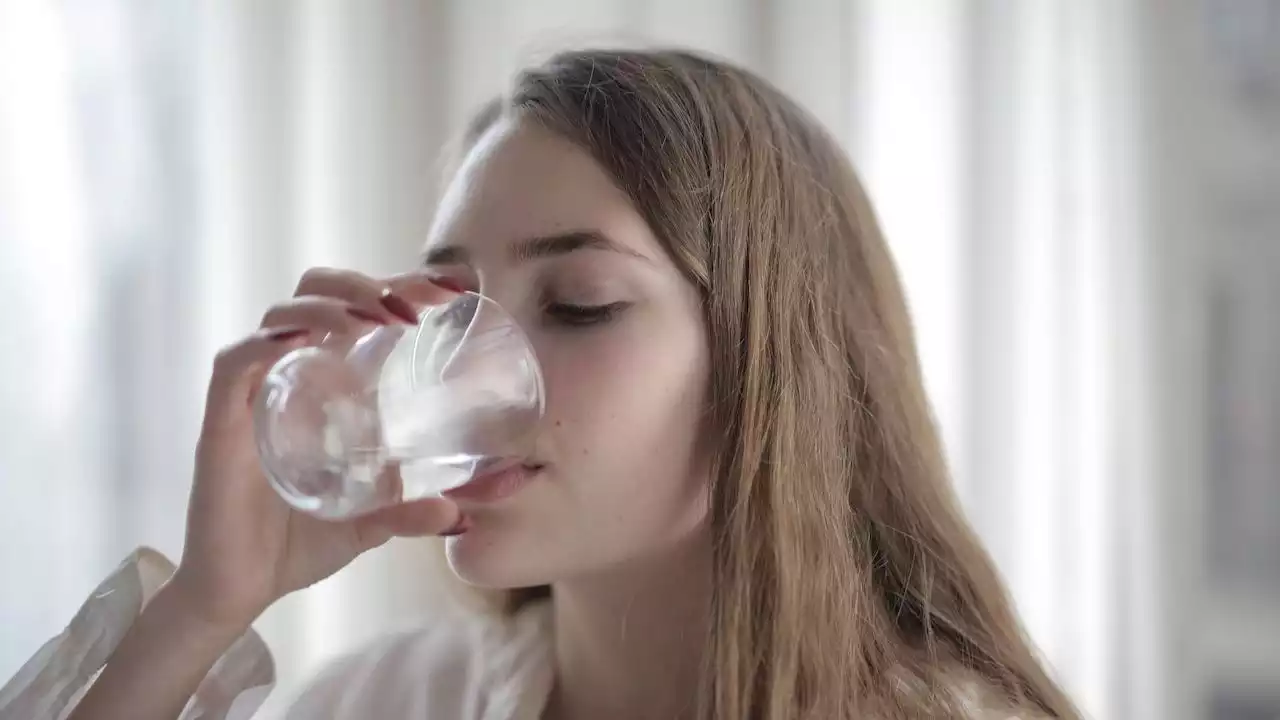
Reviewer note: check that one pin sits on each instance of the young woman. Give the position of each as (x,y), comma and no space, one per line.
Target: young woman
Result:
(738,506)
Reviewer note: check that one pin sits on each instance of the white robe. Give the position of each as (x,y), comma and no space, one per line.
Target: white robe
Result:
(465,666)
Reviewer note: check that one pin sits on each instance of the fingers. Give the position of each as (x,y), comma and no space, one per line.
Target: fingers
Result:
(421,289)
(324,314)
(359,290)
(239,369)
(327,300)
(420,518)
(398,298)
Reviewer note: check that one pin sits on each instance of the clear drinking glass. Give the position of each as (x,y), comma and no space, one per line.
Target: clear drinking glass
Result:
(401,413)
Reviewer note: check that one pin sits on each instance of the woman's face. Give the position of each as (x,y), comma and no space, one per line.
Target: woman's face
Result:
(535,223)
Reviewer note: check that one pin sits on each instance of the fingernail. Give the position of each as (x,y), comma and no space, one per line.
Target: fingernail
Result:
(462,525)
(399,307)
(287,333)
(449,284)
(366,316)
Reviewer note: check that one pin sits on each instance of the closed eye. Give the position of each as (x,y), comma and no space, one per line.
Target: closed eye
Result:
(571,315)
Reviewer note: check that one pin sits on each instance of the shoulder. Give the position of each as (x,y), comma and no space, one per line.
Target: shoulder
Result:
(459,663)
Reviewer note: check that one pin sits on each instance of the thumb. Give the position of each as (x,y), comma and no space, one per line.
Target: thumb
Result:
(420,518)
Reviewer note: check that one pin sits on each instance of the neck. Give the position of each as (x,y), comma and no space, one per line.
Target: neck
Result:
(630,643)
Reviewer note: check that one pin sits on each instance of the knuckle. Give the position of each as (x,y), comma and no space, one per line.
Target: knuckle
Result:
(275,312)
(227,355)
(319,279)
(311,276)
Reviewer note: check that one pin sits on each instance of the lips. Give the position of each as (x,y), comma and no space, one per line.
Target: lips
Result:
(496,480)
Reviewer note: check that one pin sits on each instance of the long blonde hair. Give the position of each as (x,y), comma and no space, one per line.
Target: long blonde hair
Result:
(847,582)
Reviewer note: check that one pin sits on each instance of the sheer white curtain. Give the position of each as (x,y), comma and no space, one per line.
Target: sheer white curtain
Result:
(166,171)
(100,388)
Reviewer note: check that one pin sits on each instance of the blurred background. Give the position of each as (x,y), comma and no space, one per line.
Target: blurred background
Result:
(1083,196)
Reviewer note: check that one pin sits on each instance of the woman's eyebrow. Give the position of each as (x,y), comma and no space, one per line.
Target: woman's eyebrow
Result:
(542,246)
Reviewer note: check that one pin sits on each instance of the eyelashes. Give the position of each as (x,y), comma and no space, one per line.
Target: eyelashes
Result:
(556,314)
(578,316)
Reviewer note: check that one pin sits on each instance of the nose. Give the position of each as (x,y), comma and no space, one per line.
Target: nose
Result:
(503,286)
(491,287)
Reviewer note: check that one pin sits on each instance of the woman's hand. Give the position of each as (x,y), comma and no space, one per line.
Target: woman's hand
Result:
(245,547)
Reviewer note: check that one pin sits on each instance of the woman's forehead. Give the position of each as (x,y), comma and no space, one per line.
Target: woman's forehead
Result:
(521,182)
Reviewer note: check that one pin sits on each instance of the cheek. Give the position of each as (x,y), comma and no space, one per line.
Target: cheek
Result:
(625,409)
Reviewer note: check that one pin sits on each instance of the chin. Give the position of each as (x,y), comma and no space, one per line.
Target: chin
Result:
(494,558)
